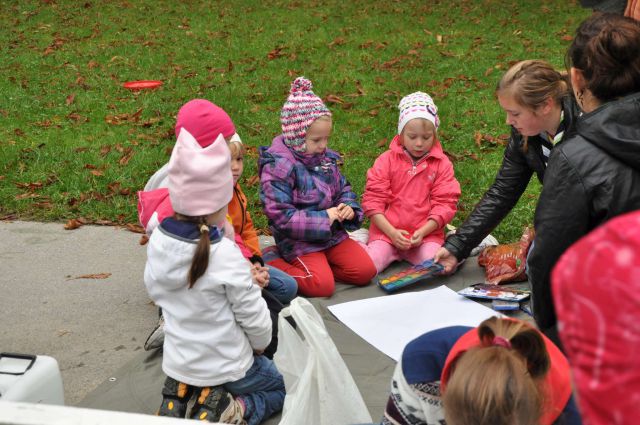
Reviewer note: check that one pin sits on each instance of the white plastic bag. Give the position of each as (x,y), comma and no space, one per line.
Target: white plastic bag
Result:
(320,389)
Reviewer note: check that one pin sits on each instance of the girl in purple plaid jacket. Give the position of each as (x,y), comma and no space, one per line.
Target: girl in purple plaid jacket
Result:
(309,203)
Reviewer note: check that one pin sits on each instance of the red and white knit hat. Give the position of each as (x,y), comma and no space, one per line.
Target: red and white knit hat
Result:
(300,110)
(596,293)
(417,105)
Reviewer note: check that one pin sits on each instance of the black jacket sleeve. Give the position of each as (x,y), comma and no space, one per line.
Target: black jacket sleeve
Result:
(562,217)
(511,181)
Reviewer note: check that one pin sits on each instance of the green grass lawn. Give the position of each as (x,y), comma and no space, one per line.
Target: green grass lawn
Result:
(74,143)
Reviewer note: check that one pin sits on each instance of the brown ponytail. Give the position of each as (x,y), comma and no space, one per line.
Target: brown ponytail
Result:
(532,82)
(606,49)
(498,382)
(201,257)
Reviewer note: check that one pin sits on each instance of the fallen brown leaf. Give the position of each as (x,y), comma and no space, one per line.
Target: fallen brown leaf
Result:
(105,150)
(26,196)
(91,276)
(276,53)
(31,186)
(126,157)
(72,224)
(264,232)
(70,99)
(477,137)
(332,98)
(134,228)
(253,180)
(43,204)
(339,41)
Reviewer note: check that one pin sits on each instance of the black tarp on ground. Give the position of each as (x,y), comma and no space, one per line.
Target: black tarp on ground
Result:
(136,386)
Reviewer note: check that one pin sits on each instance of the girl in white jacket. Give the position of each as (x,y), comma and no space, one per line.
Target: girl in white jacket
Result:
(216,321)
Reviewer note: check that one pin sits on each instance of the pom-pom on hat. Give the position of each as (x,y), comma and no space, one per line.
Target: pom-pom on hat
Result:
(301,109)
(417,105)
(200,179)
(205,121)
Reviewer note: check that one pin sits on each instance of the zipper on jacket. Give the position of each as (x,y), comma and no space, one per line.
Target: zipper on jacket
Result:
(414,164)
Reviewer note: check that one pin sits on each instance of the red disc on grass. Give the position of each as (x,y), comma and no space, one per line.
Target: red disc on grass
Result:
(142,84)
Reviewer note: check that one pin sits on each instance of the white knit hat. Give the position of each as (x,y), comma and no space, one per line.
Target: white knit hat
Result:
(417,105)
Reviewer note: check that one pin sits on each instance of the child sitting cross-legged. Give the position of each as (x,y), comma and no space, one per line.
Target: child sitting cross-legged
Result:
(309,203)
(411,192)
(216,322)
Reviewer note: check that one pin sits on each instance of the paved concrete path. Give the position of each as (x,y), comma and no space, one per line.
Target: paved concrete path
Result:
(91,326)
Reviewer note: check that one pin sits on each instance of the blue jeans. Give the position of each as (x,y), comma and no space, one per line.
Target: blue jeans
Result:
(281,285)
(262,390)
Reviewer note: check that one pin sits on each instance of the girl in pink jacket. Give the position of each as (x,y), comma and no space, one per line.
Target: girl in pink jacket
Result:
(411,192)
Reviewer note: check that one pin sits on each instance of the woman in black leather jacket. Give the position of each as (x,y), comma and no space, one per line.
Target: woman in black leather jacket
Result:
(540,111)
(594,174)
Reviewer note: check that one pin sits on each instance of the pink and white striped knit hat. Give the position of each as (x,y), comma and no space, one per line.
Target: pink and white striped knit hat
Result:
(300,110)
(417,105)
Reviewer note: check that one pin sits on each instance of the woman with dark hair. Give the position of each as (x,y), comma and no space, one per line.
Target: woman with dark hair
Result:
(594,174)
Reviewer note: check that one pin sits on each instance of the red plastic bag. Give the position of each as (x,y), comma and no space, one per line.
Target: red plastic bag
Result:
(506,263)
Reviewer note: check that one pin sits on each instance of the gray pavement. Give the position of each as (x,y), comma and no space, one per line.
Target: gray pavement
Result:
(90,326)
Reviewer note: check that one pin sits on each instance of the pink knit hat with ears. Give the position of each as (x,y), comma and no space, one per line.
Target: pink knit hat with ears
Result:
(204,121)
(301,109)
(200,179)
(417,105)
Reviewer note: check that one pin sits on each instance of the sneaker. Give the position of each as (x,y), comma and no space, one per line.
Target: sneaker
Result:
(156,337)
(215,404)
(360,235)
(175,397)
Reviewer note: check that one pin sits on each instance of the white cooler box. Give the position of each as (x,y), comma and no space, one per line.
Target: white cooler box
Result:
(31,379)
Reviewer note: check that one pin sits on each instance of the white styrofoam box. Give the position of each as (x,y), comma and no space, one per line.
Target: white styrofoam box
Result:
(33,379)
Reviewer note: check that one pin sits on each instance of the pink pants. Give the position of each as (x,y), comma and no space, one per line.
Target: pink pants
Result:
(383,253)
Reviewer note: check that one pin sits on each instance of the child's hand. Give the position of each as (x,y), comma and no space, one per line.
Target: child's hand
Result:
(417,237)
(345,212)
(400,239)
(333,215)
(260,274)
(423,232)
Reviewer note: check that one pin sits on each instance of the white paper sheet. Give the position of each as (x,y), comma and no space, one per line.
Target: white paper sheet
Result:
(389,322)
